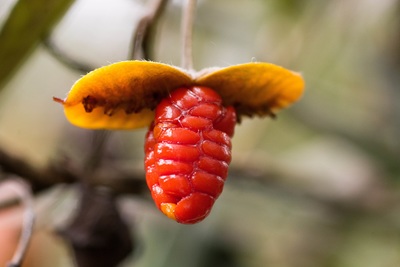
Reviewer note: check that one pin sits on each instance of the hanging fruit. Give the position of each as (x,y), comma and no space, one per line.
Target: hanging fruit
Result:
(191,119)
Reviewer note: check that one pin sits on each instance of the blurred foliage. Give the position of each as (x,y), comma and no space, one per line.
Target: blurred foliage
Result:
(319,186)
(27,24)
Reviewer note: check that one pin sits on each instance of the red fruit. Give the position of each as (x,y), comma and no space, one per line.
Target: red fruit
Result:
(188,150)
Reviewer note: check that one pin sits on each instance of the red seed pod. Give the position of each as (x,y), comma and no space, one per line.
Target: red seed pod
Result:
(188,150)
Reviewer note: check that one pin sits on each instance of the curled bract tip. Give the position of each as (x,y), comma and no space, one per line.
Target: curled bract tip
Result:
(123,95)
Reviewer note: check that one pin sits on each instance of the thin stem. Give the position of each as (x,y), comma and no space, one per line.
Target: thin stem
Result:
(98,146)
(23,191)
(143,35)
(187,32)
(65,59)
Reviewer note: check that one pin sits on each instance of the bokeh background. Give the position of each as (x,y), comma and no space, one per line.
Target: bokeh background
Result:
(318,186)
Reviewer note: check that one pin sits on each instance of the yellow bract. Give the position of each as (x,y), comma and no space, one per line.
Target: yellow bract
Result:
(122,95)
(255,88)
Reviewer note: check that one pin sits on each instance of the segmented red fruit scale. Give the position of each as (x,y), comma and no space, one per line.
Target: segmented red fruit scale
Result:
(188,150)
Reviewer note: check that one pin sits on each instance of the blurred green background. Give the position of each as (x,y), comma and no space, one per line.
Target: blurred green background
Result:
(319,186)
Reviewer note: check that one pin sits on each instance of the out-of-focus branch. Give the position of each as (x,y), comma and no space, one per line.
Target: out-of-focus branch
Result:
(144,33)
(63,172)
(95,156)
(40,179)
(141,42)
(65,59)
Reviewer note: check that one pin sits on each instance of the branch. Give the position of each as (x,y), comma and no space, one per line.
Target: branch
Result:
(141,43)
(64,172)
(40,179)
(99,141)
(65,59)
(144,33)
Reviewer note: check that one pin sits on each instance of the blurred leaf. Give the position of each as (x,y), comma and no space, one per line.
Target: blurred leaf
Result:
(27,23)
(291,8)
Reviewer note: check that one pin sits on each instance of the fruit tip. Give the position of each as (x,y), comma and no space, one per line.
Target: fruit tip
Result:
(169,210)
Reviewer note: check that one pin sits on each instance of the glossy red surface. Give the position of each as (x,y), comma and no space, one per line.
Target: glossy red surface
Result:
(188,150)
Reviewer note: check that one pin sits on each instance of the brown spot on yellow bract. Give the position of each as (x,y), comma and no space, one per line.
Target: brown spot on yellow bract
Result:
(123,95)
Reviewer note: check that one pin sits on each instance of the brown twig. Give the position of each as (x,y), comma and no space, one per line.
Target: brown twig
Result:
(65,59)
(64,172)
(39,178)
(144,32)
(98,146)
